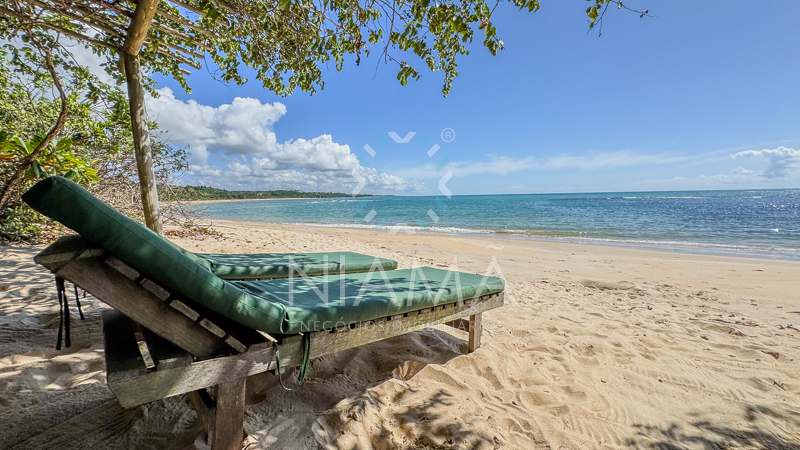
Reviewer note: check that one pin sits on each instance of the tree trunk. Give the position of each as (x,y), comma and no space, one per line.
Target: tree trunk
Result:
(137,32)
(19,174)
(141,142)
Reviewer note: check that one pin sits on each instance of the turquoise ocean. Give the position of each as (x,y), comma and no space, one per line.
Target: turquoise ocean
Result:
(761,223)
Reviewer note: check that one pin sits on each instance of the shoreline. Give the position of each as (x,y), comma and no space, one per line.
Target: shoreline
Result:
(688,248)
(693,267)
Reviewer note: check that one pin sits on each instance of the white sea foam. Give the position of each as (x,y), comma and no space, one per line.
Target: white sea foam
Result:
(649,196)
(701,247)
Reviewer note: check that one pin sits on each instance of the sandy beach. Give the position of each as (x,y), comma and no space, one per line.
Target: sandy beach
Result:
(597,347)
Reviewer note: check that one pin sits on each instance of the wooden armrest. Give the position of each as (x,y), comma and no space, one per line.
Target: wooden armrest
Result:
(68,248)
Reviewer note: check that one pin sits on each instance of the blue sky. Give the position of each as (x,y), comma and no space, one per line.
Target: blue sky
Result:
(703,95)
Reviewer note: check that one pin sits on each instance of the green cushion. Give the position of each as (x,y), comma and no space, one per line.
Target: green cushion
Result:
(366,296)
(151,254)
(284,306)
(284,265)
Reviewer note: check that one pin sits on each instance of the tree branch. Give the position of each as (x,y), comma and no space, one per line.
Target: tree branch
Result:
(19,173)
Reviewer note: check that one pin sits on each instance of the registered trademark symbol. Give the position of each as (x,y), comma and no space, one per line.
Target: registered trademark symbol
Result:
(448,135)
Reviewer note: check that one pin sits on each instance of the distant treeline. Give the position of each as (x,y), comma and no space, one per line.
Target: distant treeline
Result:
(186,193)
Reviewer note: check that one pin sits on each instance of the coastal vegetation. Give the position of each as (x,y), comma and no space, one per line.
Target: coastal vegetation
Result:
(57,118)
(191,193)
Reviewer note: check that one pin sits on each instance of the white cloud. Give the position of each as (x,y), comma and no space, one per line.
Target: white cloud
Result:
(743,171)
(608,160)
(241,132)
(253,175)
(504,165)
(782,162)
(242,127)
(320,154)
(498,165)
(782,171)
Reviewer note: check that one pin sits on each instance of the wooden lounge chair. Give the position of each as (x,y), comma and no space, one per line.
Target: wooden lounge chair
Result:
(196,352)
(179,329)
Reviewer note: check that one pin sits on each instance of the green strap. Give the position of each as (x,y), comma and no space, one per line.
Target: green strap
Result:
(301,376)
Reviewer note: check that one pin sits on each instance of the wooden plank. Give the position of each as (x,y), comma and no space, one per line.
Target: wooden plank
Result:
(267,336)
(129,272)
(68,248)
(323,343)
(134,301)
(260,357)
(210,326)
(204,407)
(165,354)
(236,344)
(155,289)
(475,331)
(123,358)
(228,432)
(460,324)
(185,310)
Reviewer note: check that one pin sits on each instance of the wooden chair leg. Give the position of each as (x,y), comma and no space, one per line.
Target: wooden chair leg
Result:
(475,330)
(229,418)
(204,406)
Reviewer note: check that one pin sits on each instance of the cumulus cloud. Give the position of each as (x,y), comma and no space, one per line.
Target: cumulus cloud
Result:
(242,127)
(782,162)
(318,154)
(241,132)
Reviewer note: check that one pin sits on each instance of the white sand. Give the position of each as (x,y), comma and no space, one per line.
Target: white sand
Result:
(597,347)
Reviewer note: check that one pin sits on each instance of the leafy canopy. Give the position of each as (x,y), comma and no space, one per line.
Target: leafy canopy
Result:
(57,159)
(97,112)
(286,42)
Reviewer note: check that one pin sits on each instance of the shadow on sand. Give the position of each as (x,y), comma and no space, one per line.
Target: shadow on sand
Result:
(714,436)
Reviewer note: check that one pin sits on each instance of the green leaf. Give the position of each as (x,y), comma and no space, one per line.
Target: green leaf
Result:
(284,5)
(21,145)
(63,145)
(592,13)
